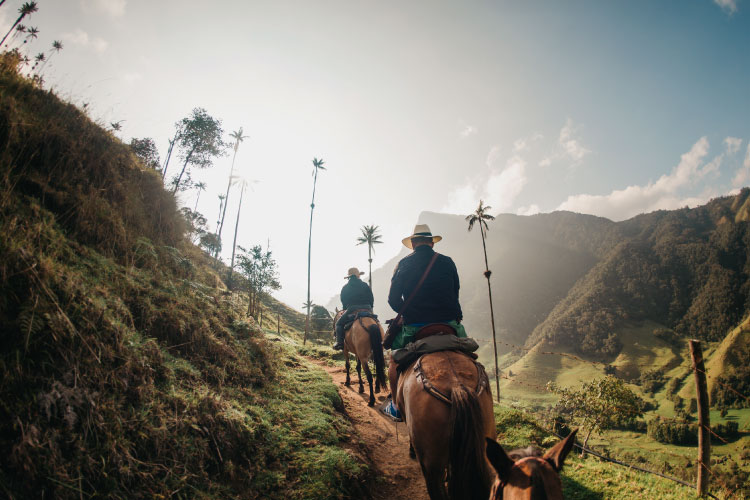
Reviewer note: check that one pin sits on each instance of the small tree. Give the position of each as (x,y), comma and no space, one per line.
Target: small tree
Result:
(321,322)
(196,224)
(599,405)
(146,151)
(200,141)
(260,270)
(209,242)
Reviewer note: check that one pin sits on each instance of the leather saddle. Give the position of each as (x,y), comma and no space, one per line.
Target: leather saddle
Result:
(434,329)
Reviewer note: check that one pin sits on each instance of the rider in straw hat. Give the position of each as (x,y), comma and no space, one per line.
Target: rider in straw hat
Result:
(355,295)
(436,301)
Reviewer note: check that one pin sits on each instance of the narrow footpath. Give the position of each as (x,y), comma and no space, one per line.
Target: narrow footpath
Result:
(387,442)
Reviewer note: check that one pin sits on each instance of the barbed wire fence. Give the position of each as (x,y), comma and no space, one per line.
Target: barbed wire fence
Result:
(730,492)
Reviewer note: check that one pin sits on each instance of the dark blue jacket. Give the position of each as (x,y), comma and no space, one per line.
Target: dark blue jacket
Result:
(356,293)
(437,299)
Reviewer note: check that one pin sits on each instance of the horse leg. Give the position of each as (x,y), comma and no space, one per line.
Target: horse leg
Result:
(348,382)
(368,374)
(359,374)
(434,477)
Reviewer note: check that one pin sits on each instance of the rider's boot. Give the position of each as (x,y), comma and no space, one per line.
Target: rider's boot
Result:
(339,345)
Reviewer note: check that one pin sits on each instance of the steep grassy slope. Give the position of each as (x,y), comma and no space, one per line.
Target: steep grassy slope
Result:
(125,369)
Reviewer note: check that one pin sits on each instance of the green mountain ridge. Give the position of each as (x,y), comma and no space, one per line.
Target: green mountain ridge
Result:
(573,281)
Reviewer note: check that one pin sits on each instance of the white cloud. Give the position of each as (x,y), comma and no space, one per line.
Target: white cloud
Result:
(662,194)
(503,187)
(524,143)
(113,8)
(530,210)
(728,6)
(499,188)
(493,157)
(466,129)
(570,145)
(82,39)
(462,200)
(732,145)
(742,178)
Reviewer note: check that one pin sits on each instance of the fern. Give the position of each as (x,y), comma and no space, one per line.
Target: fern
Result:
(30,320)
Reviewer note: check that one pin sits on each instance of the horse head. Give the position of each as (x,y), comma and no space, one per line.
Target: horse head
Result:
(526,474)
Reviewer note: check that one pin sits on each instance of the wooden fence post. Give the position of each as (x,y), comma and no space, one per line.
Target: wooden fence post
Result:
(704,424)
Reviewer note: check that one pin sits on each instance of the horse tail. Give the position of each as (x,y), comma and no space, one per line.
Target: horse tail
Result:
(466,465)
(376,342)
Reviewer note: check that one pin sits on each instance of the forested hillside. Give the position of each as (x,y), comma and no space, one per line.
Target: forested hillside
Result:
(574,280)
(126,369)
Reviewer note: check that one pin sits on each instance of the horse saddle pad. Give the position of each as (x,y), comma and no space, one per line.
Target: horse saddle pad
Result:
(440,372)
(436,343)
(361,313)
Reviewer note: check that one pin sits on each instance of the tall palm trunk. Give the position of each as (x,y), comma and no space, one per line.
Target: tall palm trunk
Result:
(195,208)
(169,155)
(309,252)
(18,20)
(369,259)
(226,196)
(234,243)
(487,274)
(182,172)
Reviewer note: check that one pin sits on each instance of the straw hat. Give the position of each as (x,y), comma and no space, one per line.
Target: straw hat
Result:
(353,271)
(420,231)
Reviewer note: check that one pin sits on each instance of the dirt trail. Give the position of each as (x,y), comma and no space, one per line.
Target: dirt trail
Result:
(387,442)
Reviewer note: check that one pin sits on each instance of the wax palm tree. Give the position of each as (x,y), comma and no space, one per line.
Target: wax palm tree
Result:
(57,46)
(200,186)
(221,206)
(370,237)
(238,138)
(481,216)
(243,185)
(40,57)
(26,9)
(31,34)
(317,165)
(19,30)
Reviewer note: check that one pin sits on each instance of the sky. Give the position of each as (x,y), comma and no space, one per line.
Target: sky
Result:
(608,108)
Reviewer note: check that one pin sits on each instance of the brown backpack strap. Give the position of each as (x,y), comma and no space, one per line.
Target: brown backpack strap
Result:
(394,326)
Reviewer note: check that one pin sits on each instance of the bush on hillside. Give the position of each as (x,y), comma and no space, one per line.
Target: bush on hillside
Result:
(651,380)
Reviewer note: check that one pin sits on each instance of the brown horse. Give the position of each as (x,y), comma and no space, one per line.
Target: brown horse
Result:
(527,474)
(446,403)
(365,338)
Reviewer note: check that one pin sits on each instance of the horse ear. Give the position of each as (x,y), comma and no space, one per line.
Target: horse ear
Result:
(500,460)
(556,455)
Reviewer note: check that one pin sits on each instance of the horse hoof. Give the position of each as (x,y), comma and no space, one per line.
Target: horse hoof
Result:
(371,403)
(347,384)
(361,390)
